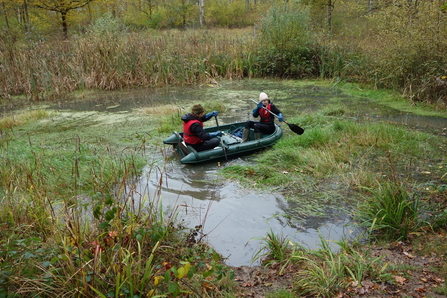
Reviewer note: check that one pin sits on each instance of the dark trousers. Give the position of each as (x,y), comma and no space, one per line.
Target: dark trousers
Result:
(210,144)
(260,127)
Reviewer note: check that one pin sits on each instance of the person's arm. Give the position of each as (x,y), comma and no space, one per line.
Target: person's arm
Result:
(276,111)
(208,116)
(198,130)
(256,110)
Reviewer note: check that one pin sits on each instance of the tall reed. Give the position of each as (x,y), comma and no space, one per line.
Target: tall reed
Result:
(46,70)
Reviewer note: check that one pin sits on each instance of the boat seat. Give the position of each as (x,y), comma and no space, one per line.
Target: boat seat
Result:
(230,139)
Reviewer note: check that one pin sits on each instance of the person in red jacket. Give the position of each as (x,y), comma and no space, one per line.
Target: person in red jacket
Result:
(267,124)
(193,133)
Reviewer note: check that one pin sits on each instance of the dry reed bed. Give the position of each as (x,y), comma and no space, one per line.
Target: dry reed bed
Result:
(108,62)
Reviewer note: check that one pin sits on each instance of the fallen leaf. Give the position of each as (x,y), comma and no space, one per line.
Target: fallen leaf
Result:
(362,291)
(167,265)
(367,284)
(420,290)
(400,279)
(157,279)
(437,280)
(113,234)
(207,286)
(408,255)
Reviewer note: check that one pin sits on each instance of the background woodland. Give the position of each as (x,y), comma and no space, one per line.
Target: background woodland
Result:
(50,48)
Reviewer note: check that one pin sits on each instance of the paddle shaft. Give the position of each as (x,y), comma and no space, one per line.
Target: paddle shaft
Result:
(221,142)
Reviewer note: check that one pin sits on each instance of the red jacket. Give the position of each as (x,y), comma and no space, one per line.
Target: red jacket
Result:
(188,136)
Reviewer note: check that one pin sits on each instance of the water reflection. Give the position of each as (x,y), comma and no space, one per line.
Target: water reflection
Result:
(233,218)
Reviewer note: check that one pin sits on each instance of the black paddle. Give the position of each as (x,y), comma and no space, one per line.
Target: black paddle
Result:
(293,127)
(221,142)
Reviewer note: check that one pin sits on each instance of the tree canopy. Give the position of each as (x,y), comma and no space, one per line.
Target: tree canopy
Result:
(62,7)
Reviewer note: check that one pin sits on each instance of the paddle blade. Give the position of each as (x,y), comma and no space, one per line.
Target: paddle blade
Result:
(295,128)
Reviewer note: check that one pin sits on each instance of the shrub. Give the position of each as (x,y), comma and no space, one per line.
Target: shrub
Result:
(284,43)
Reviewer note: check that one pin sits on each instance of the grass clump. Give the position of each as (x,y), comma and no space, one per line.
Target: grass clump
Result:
(327,273)
(390,211)
(275,249)
(7,123)
(323,272)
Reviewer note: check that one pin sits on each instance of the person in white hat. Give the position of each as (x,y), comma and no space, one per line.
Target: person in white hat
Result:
(267,123)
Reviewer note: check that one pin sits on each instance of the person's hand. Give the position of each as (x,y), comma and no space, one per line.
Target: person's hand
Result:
(280,117)
(216,134)
(260,105)
(212,114)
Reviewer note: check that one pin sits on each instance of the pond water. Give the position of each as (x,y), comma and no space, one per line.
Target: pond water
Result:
(234,218)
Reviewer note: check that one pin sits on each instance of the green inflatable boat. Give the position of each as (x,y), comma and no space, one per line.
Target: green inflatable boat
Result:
(231,144)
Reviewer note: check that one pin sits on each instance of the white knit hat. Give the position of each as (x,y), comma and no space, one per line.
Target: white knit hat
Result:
(263,96)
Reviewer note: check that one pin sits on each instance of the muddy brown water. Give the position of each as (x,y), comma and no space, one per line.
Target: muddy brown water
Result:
(234,218)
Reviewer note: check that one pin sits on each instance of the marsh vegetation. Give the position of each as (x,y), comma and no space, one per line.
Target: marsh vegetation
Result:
(68,217)
(69,226)
(399,46)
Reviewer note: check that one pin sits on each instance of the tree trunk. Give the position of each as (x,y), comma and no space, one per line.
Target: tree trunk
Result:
(26,16)
(62,7)
(90,17)
(184,14)
(5,15)
(329,15)
(202,11)
(64,24)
